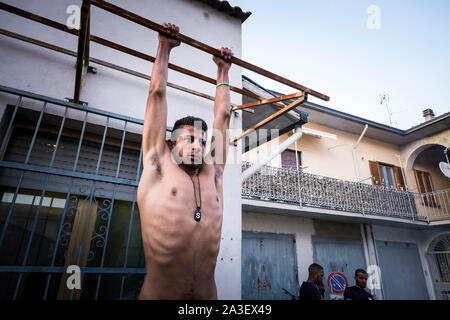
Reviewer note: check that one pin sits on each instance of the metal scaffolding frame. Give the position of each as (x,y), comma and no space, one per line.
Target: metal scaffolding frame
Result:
(93,180)
(84,37)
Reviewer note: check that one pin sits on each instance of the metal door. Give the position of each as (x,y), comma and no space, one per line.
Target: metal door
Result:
(401,271)
(269,263)
(338,255)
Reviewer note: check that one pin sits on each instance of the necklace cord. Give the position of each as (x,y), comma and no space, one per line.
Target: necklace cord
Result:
(199,192)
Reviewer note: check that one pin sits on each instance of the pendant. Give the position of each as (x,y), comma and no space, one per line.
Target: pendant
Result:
(197,214)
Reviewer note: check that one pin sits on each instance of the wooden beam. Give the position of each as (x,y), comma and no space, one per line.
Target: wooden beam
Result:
(201,46)
(271,117)
(267,101)
(83,40)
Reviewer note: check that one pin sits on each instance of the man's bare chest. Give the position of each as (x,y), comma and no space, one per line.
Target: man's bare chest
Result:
(178,194)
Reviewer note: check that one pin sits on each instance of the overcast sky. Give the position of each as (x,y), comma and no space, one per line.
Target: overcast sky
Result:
(355,52)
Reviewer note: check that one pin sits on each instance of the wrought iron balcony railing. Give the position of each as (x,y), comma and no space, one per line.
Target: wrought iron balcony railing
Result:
(296,187)
(434,205)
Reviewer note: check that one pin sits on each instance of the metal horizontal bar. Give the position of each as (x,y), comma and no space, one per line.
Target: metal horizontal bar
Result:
(93,177)
(37,18)
(118,47)
(147,57)
(106,64)
(64,269)
(69,104)
(37,42)
(201,46)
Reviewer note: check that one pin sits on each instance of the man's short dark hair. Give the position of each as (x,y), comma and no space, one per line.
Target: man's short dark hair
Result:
(314,268)
(189,121)
(360,271)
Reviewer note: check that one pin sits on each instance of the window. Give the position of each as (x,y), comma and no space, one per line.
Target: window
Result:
(386,175)
(69,220)
(424,185)
(288,159)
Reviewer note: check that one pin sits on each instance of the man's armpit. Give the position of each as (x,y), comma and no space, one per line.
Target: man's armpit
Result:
(156,163)
(153,163)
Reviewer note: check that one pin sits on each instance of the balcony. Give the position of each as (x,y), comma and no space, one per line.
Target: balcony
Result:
(309,190)
(434,205)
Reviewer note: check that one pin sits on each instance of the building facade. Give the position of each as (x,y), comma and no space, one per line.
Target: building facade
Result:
(69,169)
(379,202)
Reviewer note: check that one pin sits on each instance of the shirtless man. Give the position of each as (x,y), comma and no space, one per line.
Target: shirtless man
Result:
(181,204)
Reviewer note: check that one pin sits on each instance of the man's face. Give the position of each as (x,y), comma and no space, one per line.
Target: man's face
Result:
(361,280)
(191,145)
(319,277)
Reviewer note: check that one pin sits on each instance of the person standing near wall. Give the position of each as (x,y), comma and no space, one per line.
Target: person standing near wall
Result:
(310,289)
(358,292)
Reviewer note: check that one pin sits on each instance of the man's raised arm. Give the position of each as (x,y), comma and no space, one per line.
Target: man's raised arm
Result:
(222,108)
(155,121)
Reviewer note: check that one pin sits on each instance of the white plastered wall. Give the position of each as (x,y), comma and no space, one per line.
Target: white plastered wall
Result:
(28,67)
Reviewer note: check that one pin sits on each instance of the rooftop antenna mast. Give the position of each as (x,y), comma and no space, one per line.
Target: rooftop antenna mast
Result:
(385,98)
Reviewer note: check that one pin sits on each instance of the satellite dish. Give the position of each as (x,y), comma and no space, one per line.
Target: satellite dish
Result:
(445,168)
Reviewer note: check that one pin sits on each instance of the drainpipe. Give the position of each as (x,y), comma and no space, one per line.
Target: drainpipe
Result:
(267,158)
(298,174)
(355,163)
(406,186)
(372,259)
(403,172)
(354,146)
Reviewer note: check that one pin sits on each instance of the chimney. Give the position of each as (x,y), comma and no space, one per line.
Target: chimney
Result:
(428,114)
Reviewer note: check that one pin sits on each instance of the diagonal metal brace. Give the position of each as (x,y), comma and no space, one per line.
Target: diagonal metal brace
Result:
(274,116)
(267,101)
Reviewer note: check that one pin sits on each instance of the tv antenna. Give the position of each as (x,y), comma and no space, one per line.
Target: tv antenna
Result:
(384,98)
